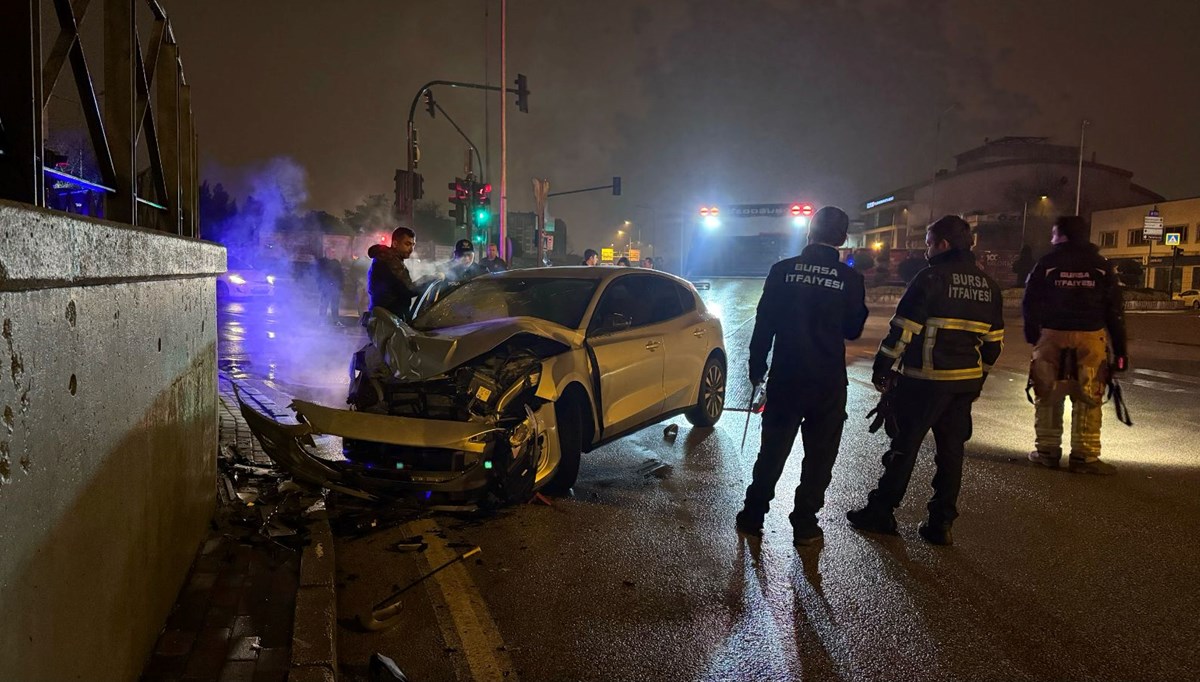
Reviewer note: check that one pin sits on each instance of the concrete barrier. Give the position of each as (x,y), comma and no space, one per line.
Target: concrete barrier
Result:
(108,440)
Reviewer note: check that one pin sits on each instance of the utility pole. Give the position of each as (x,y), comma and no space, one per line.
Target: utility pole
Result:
(504,132)
(1079,173)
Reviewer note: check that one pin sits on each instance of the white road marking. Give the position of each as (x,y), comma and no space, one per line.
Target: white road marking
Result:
(470,622)
(1167,375)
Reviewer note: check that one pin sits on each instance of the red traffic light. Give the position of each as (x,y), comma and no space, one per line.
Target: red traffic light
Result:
(703,210)
(796,210)
(806,210)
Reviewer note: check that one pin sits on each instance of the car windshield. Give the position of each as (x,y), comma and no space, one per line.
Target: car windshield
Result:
(558,300)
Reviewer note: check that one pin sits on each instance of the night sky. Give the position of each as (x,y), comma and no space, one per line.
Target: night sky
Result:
(691,102)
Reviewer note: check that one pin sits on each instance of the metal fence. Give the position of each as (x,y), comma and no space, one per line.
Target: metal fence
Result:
(147,108)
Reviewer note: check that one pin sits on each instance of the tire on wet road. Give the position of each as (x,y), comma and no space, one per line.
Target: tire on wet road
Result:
(710,399)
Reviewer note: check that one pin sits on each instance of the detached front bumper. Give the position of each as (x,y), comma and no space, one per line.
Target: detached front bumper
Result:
(389,457)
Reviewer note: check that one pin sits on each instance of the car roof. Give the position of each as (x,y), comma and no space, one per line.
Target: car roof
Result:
(599,273)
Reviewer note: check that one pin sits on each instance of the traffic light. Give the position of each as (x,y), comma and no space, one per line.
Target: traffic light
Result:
(430,105)
(616,186)
(710,216)
(460,198)
(481,198)
(1176,251)
(522,94)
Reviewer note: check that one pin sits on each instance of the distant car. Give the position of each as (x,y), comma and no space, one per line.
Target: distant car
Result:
(1190,297)
(501,384)
(241,280)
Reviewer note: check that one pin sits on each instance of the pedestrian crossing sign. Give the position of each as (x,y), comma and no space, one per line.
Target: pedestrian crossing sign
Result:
(1172,239)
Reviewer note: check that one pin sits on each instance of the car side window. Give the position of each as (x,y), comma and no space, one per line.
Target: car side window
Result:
(627,296)
(663,298)
(686,299)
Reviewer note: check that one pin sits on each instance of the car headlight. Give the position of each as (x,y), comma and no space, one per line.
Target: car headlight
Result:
(270,279)
(237,279)
(520,435)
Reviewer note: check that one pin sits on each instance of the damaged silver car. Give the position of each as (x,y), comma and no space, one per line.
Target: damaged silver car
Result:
(500,384)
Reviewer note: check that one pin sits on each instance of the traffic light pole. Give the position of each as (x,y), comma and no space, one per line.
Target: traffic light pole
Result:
(408,217)
(478,158)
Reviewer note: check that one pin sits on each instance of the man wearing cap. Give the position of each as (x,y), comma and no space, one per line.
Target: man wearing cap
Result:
(811,304)
(462,267)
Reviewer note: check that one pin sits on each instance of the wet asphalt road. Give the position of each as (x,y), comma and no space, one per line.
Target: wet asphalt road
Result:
(1054,576)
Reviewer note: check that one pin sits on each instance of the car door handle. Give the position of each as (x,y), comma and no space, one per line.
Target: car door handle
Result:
(653,345)
(698,333)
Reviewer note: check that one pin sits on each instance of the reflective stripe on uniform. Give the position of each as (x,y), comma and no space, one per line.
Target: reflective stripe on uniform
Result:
(960,324)
(994,336)
(943,374)
(907,324)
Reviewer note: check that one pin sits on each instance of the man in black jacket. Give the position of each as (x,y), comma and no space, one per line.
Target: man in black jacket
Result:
(1073,313)
(810,305)
(388,281)
(946,335)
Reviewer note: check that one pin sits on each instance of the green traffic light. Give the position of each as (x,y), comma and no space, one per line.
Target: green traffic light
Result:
(482,216)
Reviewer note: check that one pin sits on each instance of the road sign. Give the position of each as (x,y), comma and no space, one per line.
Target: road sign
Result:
(1172,239)
(549,242)
(606,254)
(759,210)
(1152,226)
(635,255)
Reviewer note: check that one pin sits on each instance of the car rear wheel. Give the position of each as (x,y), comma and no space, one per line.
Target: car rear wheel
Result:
(569,415)
(222,289)
(1196,304)
(710,402)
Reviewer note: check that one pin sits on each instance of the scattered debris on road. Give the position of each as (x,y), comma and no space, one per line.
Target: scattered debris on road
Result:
(385,614)
(656,468)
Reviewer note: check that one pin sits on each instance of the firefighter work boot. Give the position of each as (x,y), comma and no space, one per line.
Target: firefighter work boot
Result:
(869,520)
(935,533)
(1046,459)
(1094,466)
(750,525)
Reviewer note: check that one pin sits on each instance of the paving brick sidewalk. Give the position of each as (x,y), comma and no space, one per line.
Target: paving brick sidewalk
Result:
(233,620)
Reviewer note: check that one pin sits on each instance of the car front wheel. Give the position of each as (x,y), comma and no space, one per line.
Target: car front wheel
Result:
(710,402)
(569,415)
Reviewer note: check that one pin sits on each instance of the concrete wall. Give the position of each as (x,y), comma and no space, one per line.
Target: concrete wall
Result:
(108,439)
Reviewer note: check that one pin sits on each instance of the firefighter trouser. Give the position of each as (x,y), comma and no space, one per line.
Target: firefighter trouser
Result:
(1069,364)
(921,406)
(820,425)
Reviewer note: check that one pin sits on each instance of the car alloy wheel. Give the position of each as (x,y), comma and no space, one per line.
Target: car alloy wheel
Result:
(713,391)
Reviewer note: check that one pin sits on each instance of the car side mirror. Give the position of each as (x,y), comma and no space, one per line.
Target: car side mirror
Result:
(616,322)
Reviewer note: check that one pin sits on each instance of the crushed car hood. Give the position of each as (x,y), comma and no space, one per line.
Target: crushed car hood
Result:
(419,355)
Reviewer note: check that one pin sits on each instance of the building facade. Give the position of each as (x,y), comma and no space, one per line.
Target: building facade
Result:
(1119,233)
(1009,189)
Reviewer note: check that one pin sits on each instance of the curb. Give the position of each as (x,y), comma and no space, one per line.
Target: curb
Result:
(314,631)
(314,621)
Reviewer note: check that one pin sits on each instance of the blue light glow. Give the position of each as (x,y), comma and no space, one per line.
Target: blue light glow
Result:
(712,222)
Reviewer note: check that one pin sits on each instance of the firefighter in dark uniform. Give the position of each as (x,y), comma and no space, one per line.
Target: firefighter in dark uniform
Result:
(810,305)
(1073,314)
(388,281)
(946,335)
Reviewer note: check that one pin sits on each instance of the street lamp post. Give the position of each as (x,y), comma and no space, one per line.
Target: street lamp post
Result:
(1024,215)
(1079,173)
(936,134)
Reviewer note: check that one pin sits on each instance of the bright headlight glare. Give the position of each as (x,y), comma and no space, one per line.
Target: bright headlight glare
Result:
(270,279)
(237,279)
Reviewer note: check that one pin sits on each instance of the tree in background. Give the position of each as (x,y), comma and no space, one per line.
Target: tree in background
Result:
(1023,264)
(1130,272)
(863,260)
(217,212)
(909,267)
